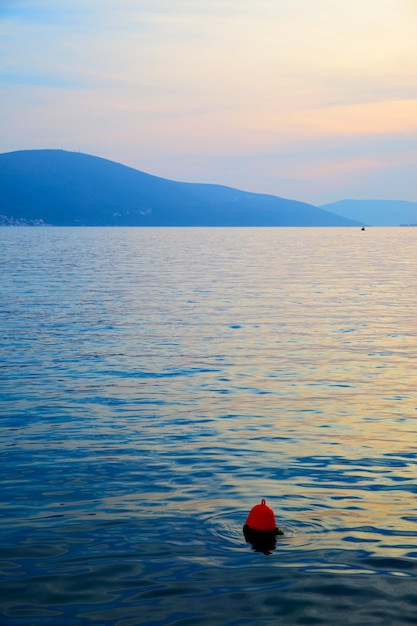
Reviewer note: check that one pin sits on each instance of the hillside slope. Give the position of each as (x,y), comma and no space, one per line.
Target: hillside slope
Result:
(67,188)
(376,212)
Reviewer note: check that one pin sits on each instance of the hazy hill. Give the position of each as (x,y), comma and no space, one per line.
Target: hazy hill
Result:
(376,212)
(68,188)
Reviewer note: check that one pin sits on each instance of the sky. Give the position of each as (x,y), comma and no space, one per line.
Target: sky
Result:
(314,100)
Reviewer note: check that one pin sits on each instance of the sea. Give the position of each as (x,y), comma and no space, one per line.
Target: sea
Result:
(158,383)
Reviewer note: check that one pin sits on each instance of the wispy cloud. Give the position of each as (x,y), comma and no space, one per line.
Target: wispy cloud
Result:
(194,84)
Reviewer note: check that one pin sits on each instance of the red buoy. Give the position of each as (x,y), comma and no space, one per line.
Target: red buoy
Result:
(262,518)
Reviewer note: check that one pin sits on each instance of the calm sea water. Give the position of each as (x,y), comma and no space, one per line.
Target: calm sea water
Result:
(157,383)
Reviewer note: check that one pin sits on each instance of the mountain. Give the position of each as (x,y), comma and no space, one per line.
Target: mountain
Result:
(376,212)
(72,189)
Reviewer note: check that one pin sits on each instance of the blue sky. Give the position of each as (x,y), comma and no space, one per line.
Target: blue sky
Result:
(310,99)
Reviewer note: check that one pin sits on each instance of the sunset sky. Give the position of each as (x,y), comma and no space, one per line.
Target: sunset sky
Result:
(314,100)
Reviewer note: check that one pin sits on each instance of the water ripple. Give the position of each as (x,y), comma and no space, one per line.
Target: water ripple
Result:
(158,383)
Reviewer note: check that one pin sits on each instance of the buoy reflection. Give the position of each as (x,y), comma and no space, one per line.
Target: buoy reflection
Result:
(261,541)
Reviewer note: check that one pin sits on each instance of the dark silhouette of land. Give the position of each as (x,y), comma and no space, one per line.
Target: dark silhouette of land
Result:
(72,189)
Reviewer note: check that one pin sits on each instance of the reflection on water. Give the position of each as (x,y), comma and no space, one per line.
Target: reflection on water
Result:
(156,383)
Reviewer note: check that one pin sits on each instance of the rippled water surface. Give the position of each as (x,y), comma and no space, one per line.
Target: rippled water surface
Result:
(157,383)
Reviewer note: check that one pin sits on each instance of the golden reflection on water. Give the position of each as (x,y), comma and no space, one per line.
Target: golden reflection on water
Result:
(180,376)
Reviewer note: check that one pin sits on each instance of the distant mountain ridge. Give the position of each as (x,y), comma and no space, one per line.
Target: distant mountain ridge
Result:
(70,188)
(376,212)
